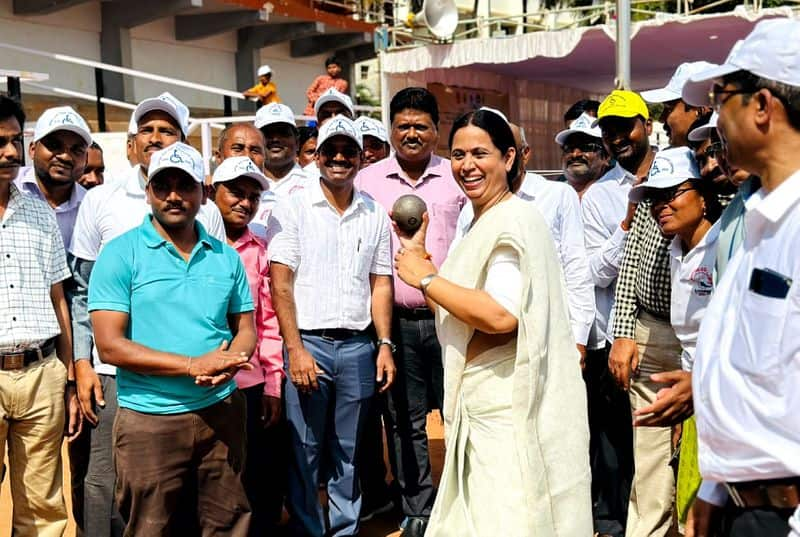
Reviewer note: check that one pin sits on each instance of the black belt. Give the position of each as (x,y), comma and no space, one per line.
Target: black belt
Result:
(18,360)
(777,493)
(414,314)
(335,334)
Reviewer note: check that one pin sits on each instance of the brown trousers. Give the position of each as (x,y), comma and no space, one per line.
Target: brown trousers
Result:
(180,474)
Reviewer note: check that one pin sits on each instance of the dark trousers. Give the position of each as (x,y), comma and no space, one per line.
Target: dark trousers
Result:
(417,389)
(178,473)
(765,522)
(610,445)
(92,471)
(370,462)
(265,473)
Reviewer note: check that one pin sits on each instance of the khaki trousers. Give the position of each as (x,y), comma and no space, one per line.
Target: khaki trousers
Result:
(650,509)
(32,423)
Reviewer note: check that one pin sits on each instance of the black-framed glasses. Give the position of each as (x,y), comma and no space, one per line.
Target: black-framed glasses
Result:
(331,151)
(655,196)
(717,90)
(585,147)
(714,150)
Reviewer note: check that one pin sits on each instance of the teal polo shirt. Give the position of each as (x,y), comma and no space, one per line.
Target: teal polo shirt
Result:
(173,306)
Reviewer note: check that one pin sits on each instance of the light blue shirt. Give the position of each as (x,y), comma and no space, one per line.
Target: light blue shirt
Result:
(173,306)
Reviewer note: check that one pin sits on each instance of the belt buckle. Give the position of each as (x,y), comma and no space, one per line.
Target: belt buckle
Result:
(14,361)
(735,496)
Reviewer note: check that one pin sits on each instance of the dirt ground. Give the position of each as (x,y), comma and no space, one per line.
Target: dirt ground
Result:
(381,526)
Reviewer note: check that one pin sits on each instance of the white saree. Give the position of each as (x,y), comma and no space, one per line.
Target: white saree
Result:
(516,431)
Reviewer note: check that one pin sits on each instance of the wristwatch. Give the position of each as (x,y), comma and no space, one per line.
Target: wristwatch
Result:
(425,282)
(387,341)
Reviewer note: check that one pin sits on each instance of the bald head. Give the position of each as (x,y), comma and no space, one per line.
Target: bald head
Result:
(241,140)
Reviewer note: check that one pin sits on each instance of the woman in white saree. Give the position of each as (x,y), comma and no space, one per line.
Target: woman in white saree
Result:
(516,433)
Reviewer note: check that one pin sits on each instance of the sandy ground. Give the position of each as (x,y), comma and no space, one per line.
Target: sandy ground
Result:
(382,526)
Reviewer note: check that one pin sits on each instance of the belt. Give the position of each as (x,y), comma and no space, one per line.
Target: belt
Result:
(777,493)
(414,313)
(18,360)
(333,334)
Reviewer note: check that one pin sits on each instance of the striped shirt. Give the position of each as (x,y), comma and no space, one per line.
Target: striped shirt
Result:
(331,255)
(32,260)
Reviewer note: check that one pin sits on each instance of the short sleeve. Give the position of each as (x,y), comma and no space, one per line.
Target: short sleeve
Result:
(241,298)
(111,278)
(86,238)
(382,260)
(59,269)
(504,279)
(284,242)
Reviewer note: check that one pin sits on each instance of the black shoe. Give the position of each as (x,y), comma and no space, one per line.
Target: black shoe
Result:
(415,527)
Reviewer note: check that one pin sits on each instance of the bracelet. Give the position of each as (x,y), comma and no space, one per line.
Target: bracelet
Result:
(71,383)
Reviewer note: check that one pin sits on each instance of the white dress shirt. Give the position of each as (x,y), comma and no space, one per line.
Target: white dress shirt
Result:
(295,180)
(560,208)
(603,207)
(747,362)
(331,255)
(692,284)
(66,213)
(109,210)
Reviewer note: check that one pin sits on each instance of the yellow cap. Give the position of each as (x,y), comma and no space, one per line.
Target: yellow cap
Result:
(623,103)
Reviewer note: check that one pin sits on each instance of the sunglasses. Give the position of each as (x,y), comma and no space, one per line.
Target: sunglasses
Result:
(665,195)
(330,151)
(586,147)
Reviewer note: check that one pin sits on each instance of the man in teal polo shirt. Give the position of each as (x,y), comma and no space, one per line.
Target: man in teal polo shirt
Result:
(171,308)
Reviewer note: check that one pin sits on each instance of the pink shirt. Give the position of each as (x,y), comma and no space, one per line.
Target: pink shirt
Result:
(268,356)
(385,181)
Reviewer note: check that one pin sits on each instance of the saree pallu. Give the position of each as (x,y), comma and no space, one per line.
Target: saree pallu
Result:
(516,430)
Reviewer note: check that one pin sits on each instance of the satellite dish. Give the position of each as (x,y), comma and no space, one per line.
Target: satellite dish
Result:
(439,16)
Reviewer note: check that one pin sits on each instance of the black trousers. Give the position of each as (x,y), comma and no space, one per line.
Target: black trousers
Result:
(767,522)
(610,445)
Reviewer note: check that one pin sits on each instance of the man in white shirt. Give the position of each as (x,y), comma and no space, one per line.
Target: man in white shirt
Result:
(107,212)
(276,123)
(331,103)
(560,207)
(746,369)
(604,202)
(331,278)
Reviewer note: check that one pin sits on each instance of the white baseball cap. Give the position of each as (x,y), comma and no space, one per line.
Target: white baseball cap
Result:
(333,95)
(178,156)
(274,113)
(671,167)
(770,51)
(264,70)
(61,118)
(338,126)
(703,132)
(672,91)
(167,103)
(234,167)
(133,128)
(368,126)
(581,125)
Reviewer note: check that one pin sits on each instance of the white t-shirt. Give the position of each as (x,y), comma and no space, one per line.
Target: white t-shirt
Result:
(692,285)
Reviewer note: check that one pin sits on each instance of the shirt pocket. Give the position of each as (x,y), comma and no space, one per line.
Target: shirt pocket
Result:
(215,293)
(362,262)
(761,321)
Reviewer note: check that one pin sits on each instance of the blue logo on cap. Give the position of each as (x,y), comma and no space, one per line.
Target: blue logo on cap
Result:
(661,166)
(245,166)
(64,118)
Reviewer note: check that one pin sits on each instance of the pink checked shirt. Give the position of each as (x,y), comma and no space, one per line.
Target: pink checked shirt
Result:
(268,357)
(385,181)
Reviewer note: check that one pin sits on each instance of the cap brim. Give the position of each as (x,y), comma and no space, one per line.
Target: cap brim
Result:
(150,105)
(381,138)
(638,193)
(662,95)
(70,128)
(321,142)
(327,99)
(562,136)
(701,133)
(260,179)
(262,124)
(695,90)
(159,171)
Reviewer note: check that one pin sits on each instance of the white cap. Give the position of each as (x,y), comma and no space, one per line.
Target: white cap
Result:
(703,132)
(179,156)
(264,70)
(133,128)
(581,125)
(167,103)
(672,91)
(671,167)
(61,118)
(274,113)
(368,126)
(234,167)
(338,126)
(770,51)
(333,95)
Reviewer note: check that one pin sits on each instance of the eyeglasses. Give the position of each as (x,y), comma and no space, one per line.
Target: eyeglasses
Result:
(714,150)
(586,147)
(665,195)
(331,151)
(717,90)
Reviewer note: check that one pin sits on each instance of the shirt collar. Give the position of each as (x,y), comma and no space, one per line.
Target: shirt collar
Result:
(318,197)
(153,240)
(296,170)
(246,238)
(529,185)
(620,175)
(133,185)
(431,170)
(774,205)
(676,250)
(30,185)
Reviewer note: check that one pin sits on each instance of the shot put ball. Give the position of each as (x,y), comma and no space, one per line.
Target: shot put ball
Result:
(407,212)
